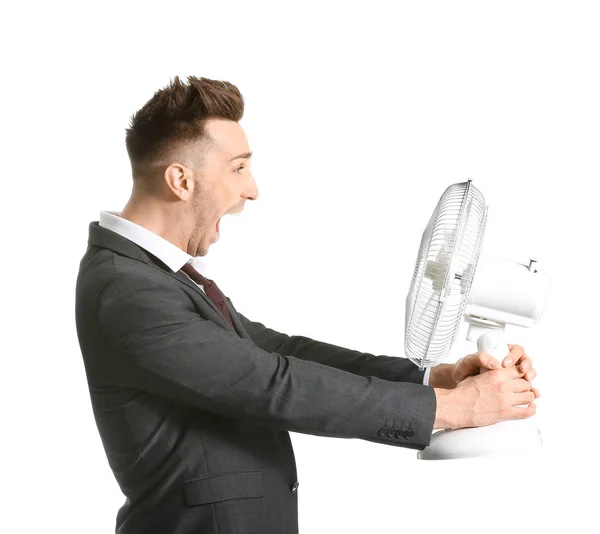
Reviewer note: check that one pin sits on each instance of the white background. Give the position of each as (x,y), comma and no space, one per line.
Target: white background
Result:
(359,115)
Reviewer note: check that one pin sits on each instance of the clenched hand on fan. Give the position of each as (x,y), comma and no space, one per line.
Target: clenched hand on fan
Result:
(447,376)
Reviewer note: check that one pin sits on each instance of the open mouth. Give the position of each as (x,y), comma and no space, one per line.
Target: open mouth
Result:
(218,225)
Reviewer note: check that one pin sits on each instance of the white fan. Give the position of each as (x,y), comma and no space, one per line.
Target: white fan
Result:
(452,281)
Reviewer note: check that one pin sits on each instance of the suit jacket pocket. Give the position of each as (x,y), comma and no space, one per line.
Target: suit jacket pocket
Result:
(223,487)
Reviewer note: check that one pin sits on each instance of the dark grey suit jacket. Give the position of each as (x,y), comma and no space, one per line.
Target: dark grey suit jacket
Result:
(194,415)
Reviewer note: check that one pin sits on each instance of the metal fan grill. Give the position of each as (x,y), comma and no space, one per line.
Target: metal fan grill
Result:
(443,274)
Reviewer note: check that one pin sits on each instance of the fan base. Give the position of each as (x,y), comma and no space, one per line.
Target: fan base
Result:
(515,437)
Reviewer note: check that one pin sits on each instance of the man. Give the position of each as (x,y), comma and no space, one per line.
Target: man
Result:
(194,401)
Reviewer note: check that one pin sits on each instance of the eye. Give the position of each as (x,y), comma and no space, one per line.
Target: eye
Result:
(239,169)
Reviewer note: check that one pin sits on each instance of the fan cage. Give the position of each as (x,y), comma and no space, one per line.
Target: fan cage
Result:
(443,275)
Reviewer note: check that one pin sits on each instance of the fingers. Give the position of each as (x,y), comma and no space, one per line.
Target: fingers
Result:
(521,360)
(517,412)
(530,375)
(519,385)
(486,360)
(527,397)
(516,352)
(512,372)
(525,365)
(522,369)
(473,364)
(514,381)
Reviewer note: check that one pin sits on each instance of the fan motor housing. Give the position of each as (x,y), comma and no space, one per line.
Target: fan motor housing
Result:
(508,292)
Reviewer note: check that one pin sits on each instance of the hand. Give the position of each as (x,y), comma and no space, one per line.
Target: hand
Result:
(473,364)
(485,399)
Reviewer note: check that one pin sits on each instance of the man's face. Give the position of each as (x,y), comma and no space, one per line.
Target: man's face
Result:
(223,182)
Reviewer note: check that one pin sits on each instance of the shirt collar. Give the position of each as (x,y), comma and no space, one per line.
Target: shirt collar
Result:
(164,250)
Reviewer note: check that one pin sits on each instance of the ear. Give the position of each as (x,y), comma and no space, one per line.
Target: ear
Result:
(179,180)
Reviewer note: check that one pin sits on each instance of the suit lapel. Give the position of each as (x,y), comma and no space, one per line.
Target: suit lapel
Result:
(105,238)
(241,331)
(237,322)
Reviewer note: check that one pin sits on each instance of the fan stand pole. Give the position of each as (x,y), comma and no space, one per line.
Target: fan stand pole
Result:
(514,437)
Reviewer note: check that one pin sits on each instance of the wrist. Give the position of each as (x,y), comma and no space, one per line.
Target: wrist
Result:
(442,415)
(440,376)
(451,411)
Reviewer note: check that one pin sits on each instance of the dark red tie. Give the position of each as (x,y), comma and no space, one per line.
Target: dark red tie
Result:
(212,291)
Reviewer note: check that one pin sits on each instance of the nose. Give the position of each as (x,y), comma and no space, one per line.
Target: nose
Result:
(250,191)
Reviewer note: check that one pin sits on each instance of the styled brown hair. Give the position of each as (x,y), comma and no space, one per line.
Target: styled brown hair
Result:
(174,118)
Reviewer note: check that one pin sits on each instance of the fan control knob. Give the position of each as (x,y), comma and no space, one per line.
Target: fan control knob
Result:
(532,264)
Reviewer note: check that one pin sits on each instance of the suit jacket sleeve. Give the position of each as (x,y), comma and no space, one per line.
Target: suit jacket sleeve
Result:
(160,344)
(395,369)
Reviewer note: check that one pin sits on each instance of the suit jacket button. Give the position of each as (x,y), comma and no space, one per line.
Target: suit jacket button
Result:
(408,434)
(400,434)
(382,431)
(390,433)
(295,487)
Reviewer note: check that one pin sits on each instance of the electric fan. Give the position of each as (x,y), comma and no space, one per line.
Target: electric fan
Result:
(453,281)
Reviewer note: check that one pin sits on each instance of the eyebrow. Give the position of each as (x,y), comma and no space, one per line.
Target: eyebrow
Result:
(244,155)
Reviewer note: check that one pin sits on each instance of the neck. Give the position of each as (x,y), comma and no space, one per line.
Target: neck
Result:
(159,217)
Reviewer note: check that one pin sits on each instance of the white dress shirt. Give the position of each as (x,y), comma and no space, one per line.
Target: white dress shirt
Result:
(164,250)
